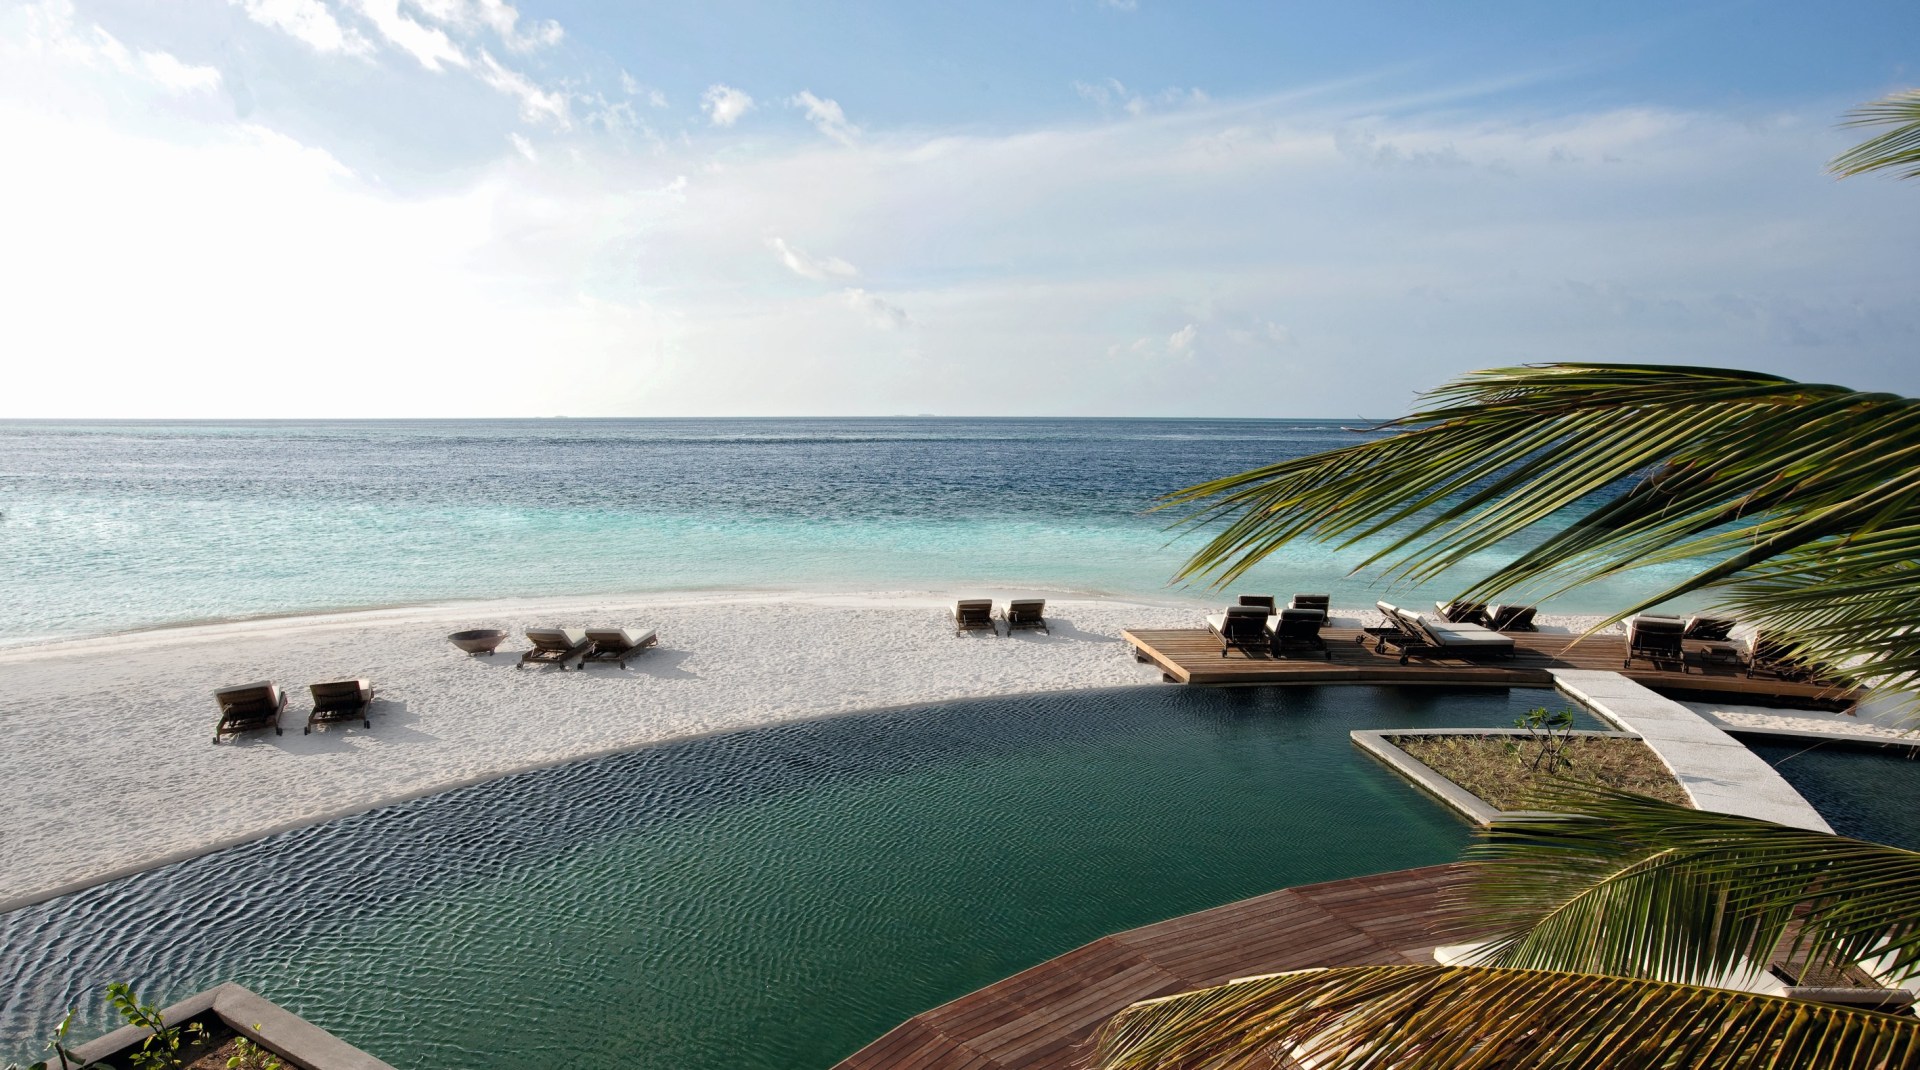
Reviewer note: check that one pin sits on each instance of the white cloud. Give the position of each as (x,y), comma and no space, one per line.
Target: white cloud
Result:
(1112,93)
(536,104)
(808,267)
(827,117)
(308,21)
(427,44)
(725,104)
(502,18)
(1180,342)
(877,310)
(53,31)
(524,147)
(1121,5)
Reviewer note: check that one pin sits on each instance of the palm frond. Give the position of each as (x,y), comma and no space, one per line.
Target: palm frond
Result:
(1477,1018)
(1896,150)
(1622,884)
(1727,473)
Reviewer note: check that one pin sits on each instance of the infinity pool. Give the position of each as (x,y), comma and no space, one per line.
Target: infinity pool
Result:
(767,899)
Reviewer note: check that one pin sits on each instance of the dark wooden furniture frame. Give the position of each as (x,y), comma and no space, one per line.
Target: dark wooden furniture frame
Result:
(245,709)
(554,646)
(974,615)
(1300,628)
(1245,630)
(1026,613)
(1512,618)
(1659,640)
(615,646)
(340,700)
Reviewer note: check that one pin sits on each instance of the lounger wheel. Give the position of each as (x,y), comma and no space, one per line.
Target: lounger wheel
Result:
(307,731)
(277,731)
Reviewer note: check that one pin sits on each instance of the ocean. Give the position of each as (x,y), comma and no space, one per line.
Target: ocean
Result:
(112,526)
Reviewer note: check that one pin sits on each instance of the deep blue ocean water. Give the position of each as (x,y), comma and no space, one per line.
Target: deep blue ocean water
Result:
(112,526)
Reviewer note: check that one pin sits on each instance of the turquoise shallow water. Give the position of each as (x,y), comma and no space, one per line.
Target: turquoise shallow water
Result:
(110,526)
(774,898)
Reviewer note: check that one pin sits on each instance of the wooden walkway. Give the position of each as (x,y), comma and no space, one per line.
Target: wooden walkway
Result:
(1041,1018)
(1192,656)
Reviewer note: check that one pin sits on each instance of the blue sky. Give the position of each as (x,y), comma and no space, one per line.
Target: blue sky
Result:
(1081,207)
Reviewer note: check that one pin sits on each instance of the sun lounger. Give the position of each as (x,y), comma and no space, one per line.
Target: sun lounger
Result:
(618,644)
(1463,612)
(974,615)
(1656,638)
(1710,629)
(1264,601)
(340,700)
(1784,660)
(1026,613)
(1413,633)
(1512,618)
(1321,602)
(1243,628)
(249,706)
(1298,628)
(555,646)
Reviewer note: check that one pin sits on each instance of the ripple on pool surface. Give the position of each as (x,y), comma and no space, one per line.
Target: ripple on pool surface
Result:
(773,898)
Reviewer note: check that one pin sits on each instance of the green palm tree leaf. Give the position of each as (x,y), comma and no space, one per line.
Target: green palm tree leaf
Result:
(1896,150)
(1616,883)
(1482,1018)
(1754,484)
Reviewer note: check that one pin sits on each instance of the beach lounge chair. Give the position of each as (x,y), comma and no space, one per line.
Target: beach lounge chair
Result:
(1658,639)
(1321,602)
(555,646)
(1512,618)
(1026,613)
(1241,627)
(1784,660)
(1709,629)
(1413,633)
(1299,628)
(973,615)
(1463,612)
(249,706)
(340,700)
(616,645)
(1264,601)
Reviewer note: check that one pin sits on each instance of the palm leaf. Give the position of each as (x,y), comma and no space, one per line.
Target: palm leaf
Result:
(1479,1018)
(1623,884)
(1896,150)
(1750,481)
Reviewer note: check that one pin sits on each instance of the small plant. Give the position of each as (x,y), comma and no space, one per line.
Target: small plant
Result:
(161,1051)
(250,1056)
(1553,731)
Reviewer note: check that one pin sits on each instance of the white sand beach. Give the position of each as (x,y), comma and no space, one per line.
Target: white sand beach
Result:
(109,767)
(108,764)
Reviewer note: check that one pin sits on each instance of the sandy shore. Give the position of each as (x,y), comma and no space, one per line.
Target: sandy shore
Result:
(108,765)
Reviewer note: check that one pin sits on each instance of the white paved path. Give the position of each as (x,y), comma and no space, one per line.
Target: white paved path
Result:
(1716,771)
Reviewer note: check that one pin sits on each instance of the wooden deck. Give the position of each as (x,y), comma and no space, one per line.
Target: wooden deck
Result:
(1192,656)
(1041,1018)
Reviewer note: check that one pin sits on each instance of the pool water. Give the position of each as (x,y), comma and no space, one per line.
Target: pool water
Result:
(772,898)
(1863,791)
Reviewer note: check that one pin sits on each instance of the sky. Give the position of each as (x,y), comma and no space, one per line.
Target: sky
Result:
(477,208)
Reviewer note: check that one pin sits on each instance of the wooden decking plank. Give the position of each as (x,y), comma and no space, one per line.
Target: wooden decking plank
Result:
(1192,655)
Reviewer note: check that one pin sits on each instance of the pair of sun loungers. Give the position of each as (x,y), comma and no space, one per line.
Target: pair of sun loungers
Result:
(564,647)
(1663,640)
(1500,618)
(976,615)
(254,706)
(1258,623)
(1411,633)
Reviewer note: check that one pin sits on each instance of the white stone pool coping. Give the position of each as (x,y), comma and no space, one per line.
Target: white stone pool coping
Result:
(1716,770)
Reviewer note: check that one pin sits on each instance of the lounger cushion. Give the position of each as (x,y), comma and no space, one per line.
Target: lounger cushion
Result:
(263,691)
(1218,621)
(1462,635)
(620,638)
(559,637)
(340,687)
